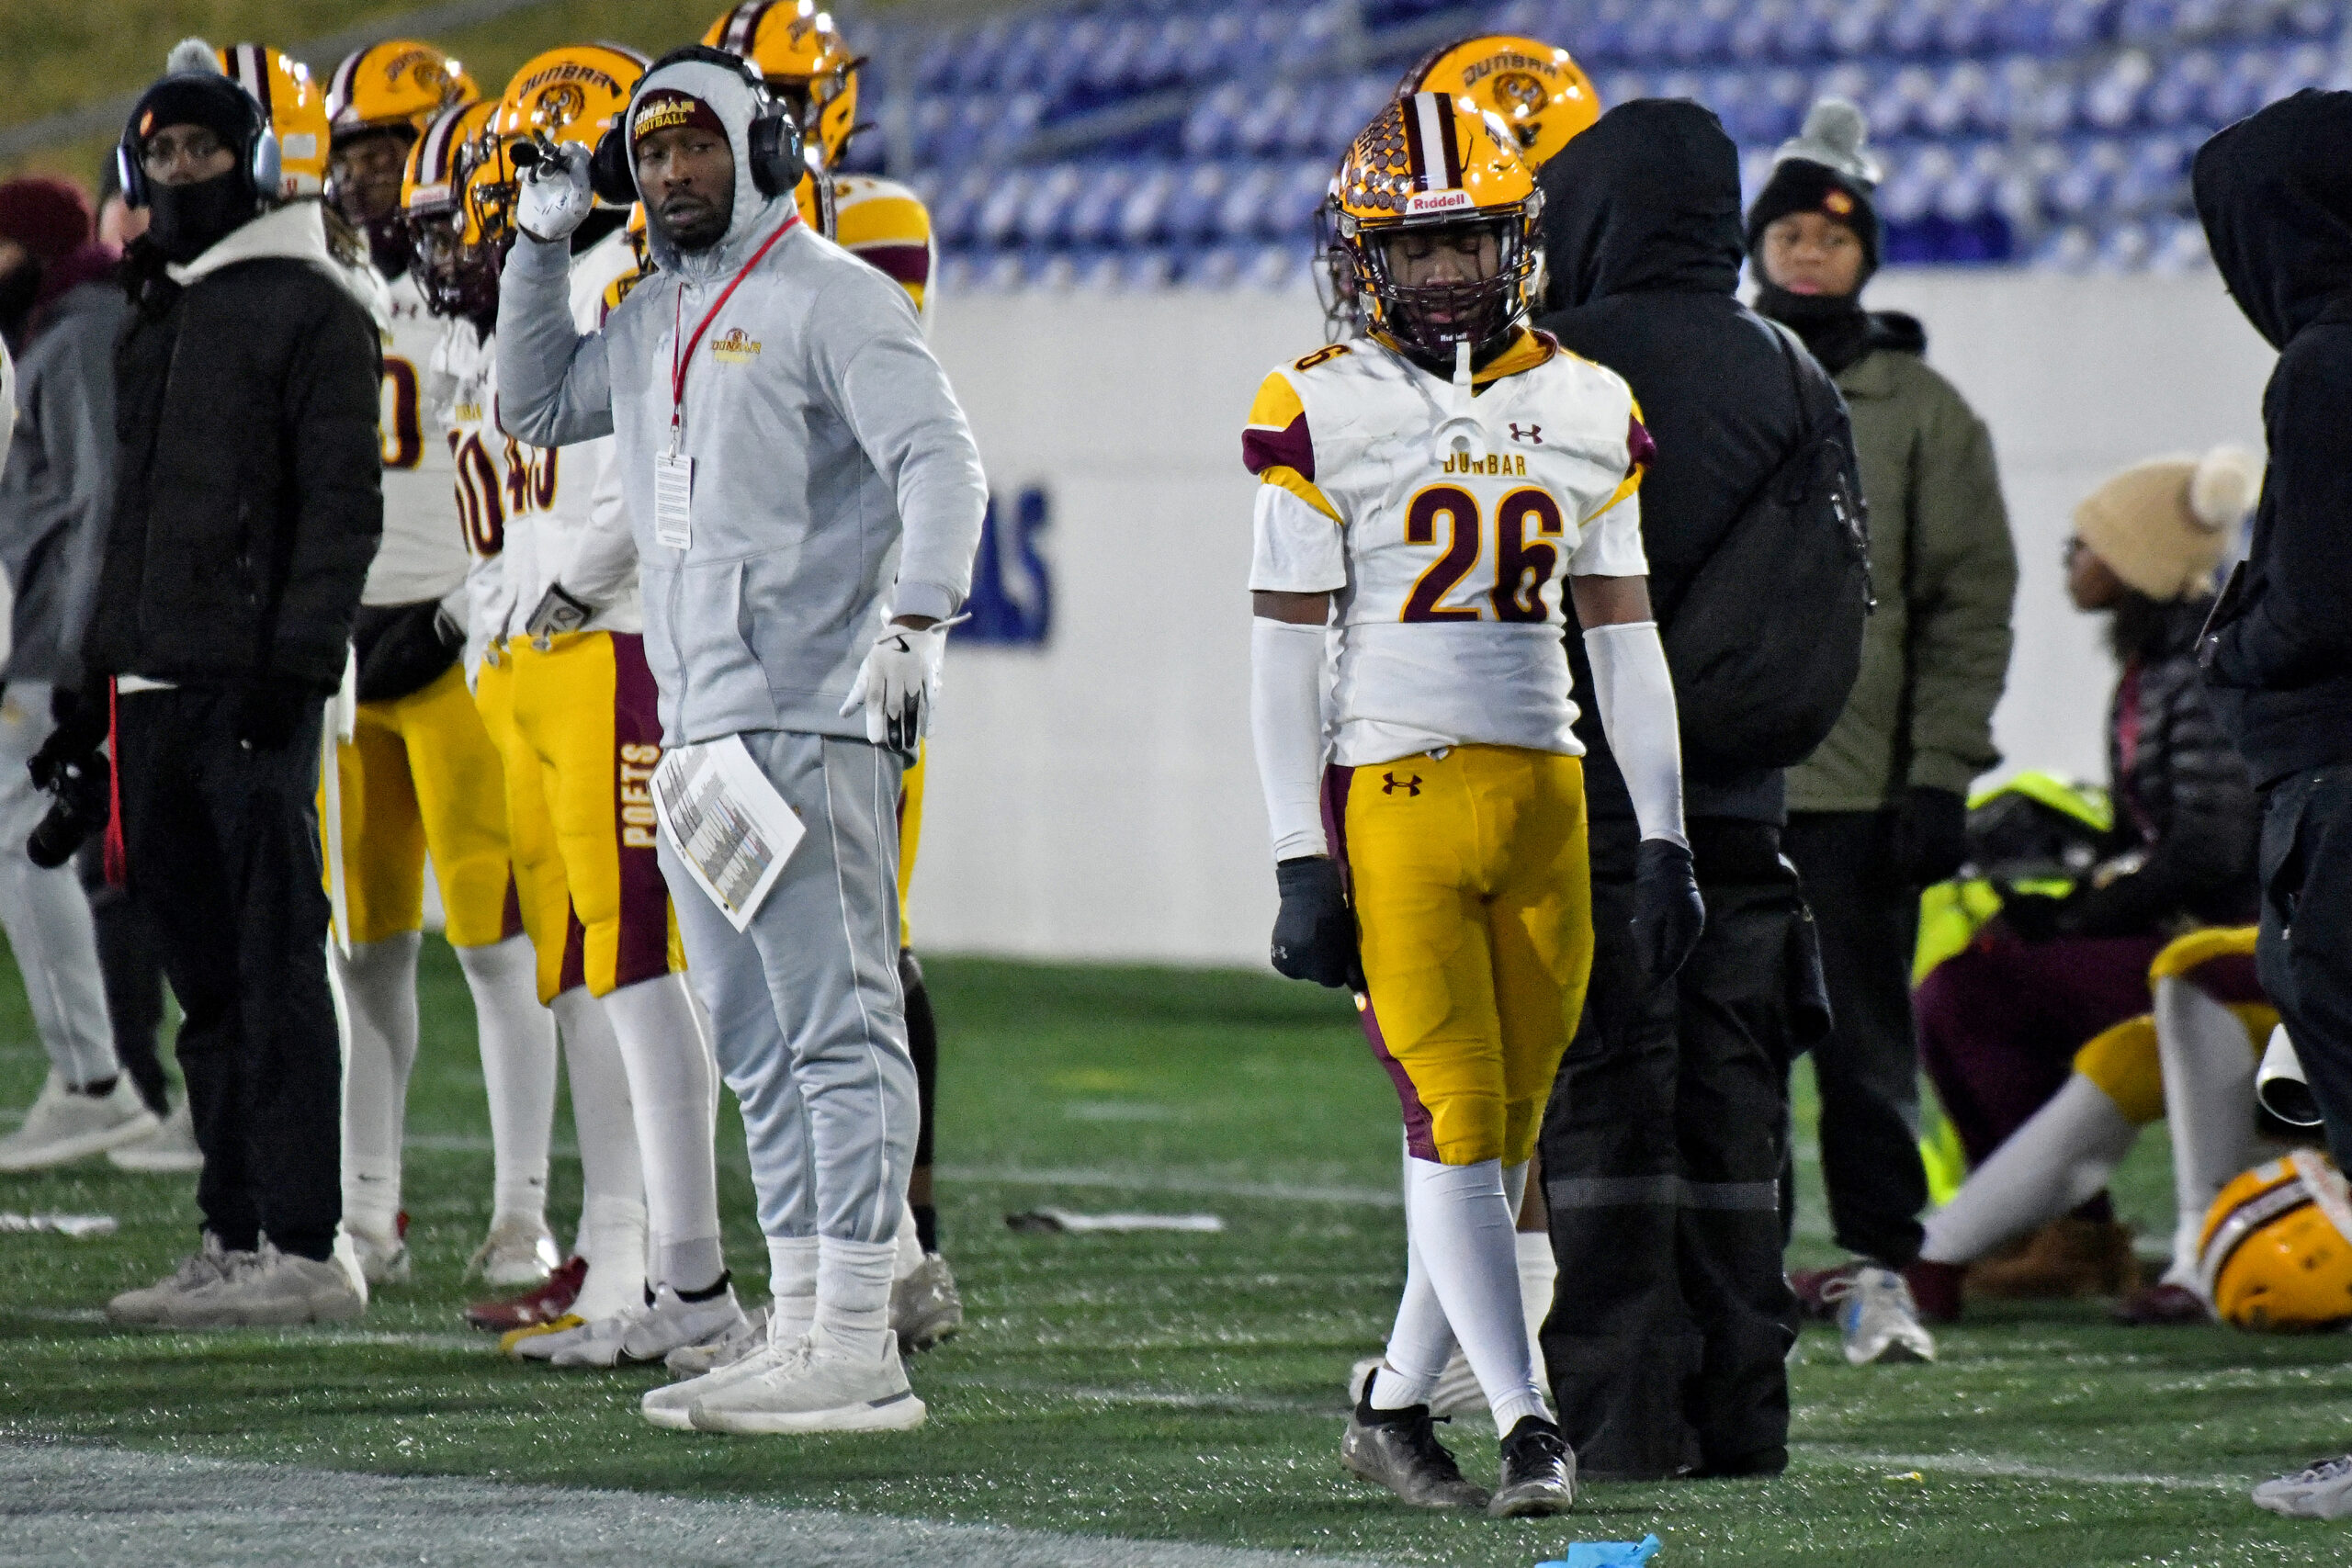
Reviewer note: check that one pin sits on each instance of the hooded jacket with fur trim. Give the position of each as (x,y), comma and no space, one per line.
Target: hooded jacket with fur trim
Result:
(2275,195)
(246,502)
(835,479)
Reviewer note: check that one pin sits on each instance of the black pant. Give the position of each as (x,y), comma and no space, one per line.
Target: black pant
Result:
(223,848)
(2304,955)
(1868,1064)
(130,964)
(1662,1152)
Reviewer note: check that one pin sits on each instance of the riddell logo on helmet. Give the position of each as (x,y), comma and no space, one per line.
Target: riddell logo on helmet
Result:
(1438,202)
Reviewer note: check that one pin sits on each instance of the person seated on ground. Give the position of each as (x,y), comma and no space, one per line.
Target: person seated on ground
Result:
(1999,1024)
(2190,1059)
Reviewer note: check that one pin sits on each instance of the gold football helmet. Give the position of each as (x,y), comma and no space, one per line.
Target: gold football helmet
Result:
(399,85)
(2274,1257)
(572,93)
(1539,91)
(1425,167)
(806,65)
(432,202)
(297,110)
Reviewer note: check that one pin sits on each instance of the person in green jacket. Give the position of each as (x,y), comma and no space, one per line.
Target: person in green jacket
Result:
(1879,810)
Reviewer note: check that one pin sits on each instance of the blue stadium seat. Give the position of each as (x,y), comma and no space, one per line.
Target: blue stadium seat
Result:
(1046,212)
(1194,206)
(997,221)
(1093,216)
(1247,205)
(1143,212)
(2110,99)
(1291,213)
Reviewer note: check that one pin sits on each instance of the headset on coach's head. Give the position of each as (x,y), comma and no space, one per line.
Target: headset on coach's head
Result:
(774,136)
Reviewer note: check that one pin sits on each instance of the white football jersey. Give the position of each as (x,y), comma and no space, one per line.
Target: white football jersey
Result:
(1447,566)
(423,555)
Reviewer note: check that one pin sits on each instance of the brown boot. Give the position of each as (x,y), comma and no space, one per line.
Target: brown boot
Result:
(2066,1258)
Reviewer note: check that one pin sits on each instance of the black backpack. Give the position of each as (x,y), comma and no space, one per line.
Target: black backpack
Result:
(1767,638)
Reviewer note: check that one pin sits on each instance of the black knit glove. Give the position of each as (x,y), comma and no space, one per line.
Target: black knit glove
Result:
(1668,915)
(1314,935)
(1931,834)
(269,710)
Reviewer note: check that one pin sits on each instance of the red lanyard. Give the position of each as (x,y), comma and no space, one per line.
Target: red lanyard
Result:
(682,348)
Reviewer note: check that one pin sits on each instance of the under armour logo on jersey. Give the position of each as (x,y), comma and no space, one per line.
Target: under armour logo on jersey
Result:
(1534,436)
(1392,784)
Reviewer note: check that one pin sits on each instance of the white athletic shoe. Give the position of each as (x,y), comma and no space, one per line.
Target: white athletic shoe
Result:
(273,1288)
(382,1259)
(819,1389)
(152,1305)
(169,1150)
(63,1125)
(924,1307)
(693,1360)
(2322,1491)
(1878,1318)
(516,1252)
(672,1405)
(1457,1392)
(647,1332)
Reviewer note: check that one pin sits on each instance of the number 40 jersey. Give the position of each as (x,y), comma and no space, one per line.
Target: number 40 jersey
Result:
(1447,566)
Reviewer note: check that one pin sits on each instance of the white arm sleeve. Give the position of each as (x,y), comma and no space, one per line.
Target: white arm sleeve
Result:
(1286,722)
(1630,682)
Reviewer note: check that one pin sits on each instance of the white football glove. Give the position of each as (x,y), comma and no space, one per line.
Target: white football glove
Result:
(898,684)
(556,197)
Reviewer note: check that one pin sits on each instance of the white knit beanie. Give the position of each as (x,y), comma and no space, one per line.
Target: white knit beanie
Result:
(2163,525)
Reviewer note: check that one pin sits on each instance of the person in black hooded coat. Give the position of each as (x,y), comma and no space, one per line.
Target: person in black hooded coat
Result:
(1663,1144)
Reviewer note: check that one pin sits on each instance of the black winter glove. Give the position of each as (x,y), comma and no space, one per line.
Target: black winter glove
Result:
(1931,834)
(1314,935)
(269,710)
(81,729)
(1669,914)
(2033,917)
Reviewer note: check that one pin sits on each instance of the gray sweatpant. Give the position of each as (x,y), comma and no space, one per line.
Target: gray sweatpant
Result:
(46,913)
(805,1005)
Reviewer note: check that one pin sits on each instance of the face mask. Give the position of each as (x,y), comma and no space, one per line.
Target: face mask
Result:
(389,246)
(190,220)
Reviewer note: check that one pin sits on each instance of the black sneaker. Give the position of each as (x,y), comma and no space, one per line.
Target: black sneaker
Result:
(1399,1449)
(1539,1473)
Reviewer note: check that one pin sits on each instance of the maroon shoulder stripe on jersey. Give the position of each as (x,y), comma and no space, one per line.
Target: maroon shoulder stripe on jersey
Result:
(1289,447)
(1640,450)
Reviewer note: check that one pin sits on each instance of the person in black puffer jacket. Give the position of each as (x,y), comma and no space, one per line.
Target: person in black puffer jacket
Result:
(1999,1024)
(245,510)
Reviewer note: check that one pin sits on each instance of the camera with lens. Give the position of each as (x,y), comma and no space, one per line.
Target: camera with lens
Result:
(80,799)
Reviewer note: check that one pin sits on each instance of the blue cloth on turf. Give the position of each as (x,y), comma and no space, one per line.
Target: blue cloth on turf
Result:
(1606,1554)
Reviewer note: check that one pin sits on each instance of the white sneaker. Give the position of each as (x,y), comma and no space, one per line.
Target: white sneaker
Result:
(516,1252)
(1878,1318)
(924,1307)
(672,1405)
(274,1289)
(2322,1491)
(381,1259)
(64,1125)
(152,1305)
(647,1332)
(822,1389)
(693,1360)
(170,1149)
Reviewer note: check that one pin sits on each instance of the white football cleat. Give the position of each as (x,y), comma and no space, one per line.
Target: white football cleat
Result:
(645,1332)
(2324,1491)
(672,1405)
(64,1124)
(819,1389)
(170,1150)
(693,1360)
(1878,1318)
(516,1252)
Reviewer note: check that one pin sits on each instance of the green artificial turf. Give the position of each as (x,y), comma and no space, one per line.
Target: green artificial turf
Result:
(1167,1386)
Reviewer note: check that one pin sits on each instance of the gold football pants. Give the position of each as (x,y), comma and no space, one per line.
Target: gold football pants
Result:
(2124,1061)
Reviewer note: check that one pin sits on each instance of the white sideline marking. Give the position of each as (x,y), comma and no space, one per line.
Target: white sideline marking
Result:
(1999,1467)
(72,1502)
(1174,1181)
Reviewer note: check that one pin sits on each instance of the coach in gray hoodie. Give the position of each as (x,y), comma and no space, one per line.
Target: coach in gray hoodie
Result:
(806,499)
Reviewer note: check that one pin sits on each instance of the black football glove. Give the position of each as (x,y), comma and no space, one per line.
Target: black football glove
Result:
(269,710)
(2033,917)
(1931,834)
(1315,935)
(81,729)
(1669,914)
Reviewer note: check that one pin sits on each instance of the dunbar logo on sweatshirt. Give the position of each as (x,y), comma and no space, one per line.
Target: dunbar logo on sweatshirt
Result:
(734,348)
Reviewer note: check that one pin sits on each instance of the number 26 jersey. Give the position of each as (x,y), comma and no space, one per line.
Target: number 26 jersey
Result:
(1448,568)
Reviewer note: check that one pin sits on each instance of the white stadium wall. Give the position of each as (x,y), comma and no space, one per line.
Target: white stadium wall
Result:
(1095,797)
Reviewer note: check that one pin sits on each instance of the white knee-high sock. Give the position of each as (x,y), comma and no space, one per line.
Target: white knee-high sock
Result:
(2058,1160)
(612,1206)
(1538,1275)
(853,1295)
(1420,1342)
(908,1245)
(517,1044)
(377,982)
(670,1075)
(2208,1099)
(1464,1224)
(792,1287)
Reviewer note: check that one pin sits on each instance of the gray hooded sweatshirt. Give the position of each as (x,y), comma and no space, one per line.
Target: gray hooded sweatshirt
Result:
(835,480)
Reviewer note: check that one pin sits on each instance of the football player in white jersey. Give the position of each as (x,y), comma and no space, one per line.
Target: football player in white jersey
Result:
(419,775)
(565,690)
(1424,490)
